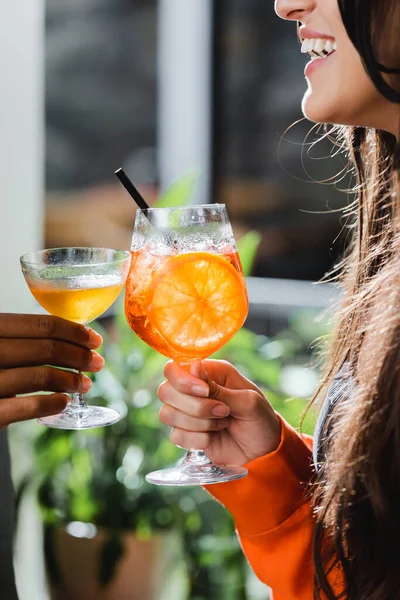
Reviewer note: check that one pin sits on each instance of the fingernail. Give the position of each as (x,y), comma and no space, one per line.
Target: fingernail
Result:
(200,390)
(221,410)
(86,383)
(97,362)
(95,340)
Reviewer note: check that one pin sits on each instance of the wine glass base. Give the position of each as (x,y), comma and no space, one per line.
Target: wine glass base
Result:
(196,475)
(88,417)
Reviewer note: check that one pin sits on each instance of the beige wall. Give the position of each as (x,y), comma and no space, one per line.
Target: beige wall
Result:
(184,77)
(21,145)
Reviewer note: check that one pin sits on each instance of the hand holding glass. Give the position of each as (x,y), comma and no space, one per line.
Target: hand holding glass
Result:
(77,284)
(186,297)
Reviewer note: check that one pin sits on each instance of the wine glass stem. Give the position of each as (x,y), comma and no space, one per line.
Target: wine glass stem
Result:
(195,458)
(77,401)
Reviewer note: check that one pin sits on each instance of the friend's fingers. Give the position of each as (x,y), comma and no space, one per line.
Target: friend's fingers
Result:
(175,418)
(20,352)
(42,379)
(24,408)
(200,408)
(189,440)
(46,326)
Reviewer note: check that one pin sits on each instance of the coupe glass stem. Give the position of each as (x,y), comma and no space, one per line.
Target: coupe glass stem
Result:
(77,401)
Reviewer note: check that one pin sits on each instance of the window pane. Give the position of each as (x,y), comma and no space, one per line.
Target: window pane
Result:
(259,84)
(100,113)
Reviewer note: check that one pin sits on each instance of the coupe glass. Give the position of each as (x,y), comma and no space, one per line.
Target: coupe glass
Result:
(186,297)
(77,284)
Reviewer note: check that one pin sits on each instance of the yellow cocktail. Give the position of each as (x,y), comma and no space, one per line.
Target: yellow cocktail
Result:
(77,284)
(81,305)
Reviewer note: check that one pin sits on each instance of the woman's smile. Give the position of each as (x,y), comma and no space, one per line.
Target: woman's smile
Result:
(342,93)
(319,46)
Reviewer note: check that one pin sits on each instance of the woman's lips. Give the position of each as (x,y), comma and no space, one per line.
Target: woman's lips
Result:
(317,63)
(320,46)
(306,33)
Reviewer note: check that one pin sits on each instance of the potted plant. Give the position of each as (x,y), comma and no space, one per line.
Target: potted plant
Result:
(106,530)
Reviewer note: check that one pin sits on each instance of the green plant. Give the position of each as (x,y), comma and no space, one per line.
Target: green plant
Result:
(98,476)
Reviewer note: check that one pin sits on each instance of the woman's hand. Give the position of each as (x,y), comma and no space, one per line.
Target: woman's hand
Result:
(28,345)
(215,409)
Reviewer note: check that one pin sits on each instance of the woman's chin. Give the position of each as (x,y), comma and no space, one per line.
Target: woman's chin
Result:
(314,109)
(344,111)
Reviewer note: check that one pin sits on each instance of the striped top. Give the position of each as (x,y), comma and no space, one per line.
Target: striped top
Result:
(339,390)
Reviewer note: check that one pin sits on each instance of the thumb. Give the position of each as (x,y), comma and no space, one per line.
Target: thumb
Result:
(197,369)
(243,403)
(222,373)
(24,408)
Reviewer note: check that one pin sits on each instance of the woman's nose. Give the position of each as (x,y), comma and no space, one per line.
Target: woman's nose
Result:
(294,10)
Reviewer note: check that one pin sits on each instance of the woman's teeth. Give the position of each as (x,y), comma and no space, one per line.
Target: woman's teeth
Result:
(318,47)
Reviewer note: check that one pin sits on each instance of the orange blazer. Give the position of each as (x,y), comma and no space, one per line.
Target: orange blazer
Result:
(273,517)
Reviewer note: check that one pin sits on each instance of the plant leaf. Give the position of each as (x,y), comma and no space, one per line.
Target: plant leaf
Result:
(247,248)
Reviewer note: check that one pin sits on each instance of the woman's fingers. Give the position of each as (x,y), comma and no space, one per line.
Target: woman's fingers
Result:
(192,406)
(13,326)
(243,403)
(175,418)
(183,381)
(21,352)
(233,421)
(222,373)
(205,374)
(42,379)
(189,440)
(31,407)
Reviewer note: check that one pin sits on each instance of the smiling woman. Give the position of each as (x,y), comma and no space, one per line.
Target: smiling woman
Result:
(319,518)
(339,88)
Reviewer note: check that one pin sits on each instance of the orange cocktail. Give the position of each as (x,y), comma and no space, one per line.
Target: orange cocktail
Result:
(186,306)
(186,297)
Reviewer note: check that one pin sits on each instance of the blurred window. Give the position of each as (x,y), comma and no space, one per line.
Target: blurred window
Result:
(100,113)
(258,171)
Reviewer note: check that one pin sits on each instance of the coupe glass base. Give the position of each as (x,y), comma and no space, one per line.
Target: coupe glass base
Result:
(196,475)
(85,418)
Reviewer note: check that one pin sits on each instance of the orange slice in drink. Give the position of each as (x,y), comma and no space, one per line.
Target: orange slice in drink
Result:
(197,302)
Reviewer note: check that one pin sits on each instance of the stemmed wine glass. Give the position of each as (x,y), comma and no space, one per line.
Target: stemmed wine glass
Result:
(77,284)
(186,297)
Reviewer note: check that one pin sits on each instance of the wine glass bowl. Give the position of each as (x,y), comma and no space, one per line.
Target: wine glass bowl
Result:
(186,297)
(77,284)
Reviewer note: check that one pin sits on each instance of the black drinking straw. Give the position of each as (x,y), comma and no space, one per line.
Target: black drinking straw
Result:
(131,189)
